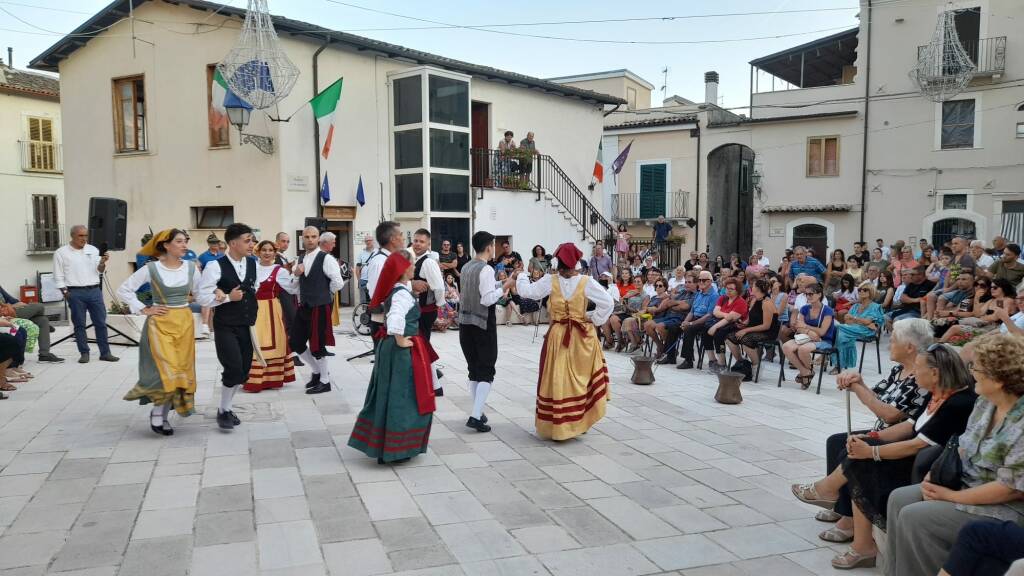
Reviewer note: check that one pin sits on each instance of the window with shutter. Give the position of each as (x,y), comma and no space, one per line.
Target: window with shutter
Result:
(823,156)
(45,232)
(653,185)
(130,114)
(41,150)
(958,124)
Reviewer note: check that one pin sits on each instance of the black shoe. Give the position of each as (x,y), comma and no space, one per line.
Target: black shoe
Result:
(234,419)
(163,430)
(685,365)
(438,391)
(313,381)
(666,360)
(477,425)
(52,329)
(326,353)
(483,418)
(48,357)
(298,361)
(319,388)
(83,359)
(109,358)
(224,420)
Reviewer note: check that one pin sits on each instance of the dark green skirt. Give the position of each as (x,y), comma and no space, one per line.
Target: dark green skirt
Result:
(389,426)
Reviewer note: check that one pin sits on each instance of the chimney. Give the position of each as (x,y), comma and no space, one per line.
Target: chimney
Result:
(711,87)
(10,57)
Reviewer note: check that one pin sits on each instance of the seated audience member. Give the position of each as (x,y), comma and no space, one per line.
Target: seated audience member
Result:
(677,278)
(683,303)
(981,259)
(628,304)
(958,291)
(886,291)
(529,308)
(448,313)
(653,306)
(624,282)
(673,310)
(510,302)
(985,318)
(10,348)
(1008,266)
(36,314)
(814,329)
(984,547)
(635,266)
(730,315)
(762,326)
(906,261)
(910,301)
(871,274)
(860,323)
(845,296)
(877,261)
(651,276)
(698,320)
(855,269)
(922,520)
(796,300)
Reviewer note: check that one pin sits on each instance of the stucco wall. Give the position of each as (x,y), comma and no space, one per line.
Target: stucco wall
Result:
(18,186)
(502,213)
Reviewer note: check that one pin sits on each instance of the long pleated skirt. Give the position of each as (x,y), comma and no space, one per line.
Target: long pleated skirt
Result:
(273,343)
(572,389)
(167,362)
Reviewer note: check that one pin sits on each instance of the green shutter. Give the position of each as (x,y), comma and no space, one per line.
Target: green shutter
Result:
(652,190)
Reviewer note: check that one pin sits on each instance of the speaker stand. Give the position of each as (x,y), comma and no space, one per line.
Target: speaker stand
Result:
(362,355)
(131,341)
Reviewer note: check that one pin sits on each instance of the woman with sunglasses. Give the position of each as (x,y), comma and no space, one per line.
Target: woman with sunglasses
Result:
(629,304)
(731,313)
(652,307)
(861,323)
(984,319)
(817,325)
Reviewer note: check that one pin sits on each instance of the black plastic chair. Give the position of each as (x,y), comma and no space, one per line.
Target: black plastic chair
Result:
(764,347)
(825,362)
(877,339)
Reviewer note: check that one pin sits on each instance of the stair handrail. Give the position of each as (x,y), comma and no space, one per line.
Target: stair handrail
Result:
(575,202)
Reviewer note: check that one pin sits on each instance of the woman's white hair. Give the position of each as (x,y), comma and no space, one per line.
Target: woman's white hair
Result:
(914,331)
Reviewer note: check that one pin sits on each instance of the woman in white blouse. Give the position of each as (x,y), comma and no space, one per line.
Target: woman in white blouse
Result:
(278,365)
(167,349)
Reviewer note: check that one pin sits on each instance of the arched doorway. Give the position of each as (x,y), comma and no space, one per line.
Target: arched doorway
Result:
(731,200)
(944,230)
(813,236)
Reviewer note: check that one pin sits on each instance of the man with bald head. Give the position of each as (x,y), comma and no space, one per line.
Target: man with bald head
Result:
(320,278)
(77,270)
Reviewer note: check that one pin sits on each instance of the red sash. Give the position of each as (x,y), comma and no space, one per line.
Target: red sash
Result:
(423,356)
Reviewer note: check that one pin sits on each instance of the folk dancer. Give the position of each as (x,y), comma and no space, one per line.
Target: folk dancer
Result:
(478,335)
(572,387)
(389,238)
(394,424)
(272,280)
(287,300)
(167,346)
(428,285)
(229,284)
(319,279)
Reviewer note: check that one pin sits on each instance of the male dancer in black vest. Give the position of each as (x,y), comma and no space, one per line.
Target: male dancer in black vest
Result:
(288,302)
(229,284)
(478,335)
(319,279)
(428,285)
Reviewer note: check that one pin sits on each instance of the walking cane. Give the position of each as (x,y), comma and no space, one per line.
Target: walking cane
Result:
(849,421)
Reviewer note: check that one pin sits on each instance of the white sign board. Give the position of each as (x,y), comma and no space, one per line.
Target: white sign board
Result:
(48,291)
(297,183)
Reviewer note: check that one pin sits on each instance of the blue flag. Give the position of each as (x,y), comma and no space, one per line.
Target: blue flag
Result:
(325,191)
(360,197)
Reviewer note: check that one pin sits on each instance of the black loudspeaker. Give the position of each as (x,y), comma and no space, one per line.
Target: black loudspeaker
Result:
(108,223)
(318,223)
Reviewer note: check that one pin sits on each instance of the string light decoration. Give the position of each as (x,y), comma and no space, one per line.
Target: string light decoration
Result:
(944,69)
(257,68)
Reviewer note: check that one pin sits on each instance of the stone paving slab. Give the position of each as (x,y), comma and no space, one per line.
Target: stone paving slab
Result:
(668,482)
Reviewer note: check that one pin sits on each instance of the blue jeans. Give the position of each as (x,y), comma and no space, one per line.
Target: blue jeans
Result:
(91,300)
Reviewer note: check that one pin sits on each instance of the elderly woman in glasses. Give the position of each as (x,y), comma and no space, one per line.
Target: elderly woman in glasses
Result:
(861,323)
(923,519)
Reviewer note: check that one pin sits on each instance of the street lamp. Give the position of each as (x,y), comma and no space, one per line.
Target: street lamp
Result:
(239,112)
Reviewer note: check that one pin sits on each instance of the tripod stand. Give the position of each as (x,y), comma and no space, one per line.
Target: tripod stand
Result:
(131,341)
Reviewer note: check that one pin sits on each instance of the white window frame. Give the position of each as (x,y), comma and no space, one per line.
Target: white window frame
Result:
(978,116)
(668,181)
(980,221)
(425,125)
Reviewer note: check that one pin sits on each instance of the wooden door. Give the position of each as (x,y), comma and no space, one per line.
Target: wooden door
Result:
(480,142)
(343,252)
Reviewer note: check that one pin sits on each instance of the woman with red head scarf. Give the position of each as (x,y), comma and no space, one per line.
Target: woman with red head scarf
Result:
(394,424)
(572,388)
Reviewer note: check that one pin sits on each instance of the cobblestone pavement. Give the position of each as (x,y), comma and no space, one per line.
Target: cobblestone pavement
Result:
(669,482)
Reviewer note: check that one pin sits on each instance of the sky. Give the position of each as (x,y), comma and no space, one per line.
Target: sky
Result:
(42,21)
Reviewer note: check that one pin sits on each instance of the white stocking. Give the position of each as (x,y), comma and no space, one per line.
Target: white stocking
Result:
(156,417)
(480,398)
(166,411)
(226,395)
(324,369)
(310,361)
(472,390)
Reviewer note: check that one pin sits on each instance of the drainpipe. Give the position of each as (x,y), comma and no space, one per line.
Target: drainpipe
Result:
(867,107)
(696,232)
(613,110)
(316,129)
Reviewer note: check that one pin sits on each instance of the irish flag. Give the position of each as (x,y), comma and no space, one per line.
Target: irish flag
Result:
(324,106)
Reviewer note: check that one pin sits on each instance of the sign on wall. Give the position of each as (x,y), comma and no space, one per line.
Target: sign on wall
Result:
(298,183)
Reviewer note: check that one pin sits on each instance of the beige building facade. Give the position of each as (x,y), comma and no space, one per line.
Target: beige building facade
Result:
(31,175)
(406,124)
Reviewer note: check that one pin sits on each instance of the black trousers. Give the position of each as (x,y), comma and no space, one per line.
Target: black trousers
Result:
(288,305)
(427,324)
(985,547)
(480,347)
(234,352)
(311,329)
(835,453)
(689,335)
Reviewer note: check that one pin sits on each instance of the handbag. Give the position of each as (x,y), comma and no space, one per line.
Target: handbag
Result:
(801,339)
(947,470)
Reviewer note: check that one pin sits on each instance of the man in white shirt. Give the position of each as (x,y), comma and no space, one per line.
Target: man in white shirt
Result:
(762,259)
(281,244)
(886,251)
(362,269)
(229,284)
(320,279)
(389,238)
(478,334)
(428,286)
(77,270)
(981,259)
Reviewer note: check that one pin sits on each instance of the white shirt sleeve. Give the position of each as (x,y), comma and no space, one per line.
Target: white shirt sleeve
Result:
(287,281)
(126,292)
(613,291)
(431,270)
(533,290)
(333,271)
(373,269)
(602,301)
(58,269)
(401,303)
(490,289)
(207,287)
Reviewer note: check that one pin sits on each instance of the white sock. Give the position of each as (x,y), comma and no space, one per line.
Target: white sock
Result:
(156,417)
(310,361)
(325,369)
(482,389)
(472,390)
(166,411)
(226,395)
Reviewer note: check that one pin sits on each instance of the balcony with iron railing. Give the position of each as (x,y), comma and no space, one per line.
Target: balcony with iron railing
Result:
(987,54)
(633,207)
(42,238)
(41,156)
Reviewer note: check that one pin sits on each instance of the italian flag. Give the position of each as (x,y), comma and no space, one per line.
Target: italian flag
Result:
(218,93)
(599,163)
(324,105)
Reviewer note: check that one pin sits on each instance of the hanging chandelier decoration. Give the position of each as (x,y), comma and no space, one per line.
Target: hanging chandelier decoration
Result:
(943,69)
(257,69)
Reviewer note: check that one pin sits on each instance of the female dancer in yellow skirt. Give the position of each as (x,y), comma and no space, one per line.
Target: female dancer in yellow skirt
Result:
(167,348)
(572,387)
(271,280)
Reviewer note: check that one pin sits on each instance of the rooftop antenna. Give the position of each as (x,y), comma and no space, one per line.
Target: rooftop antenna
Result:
(664,84)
